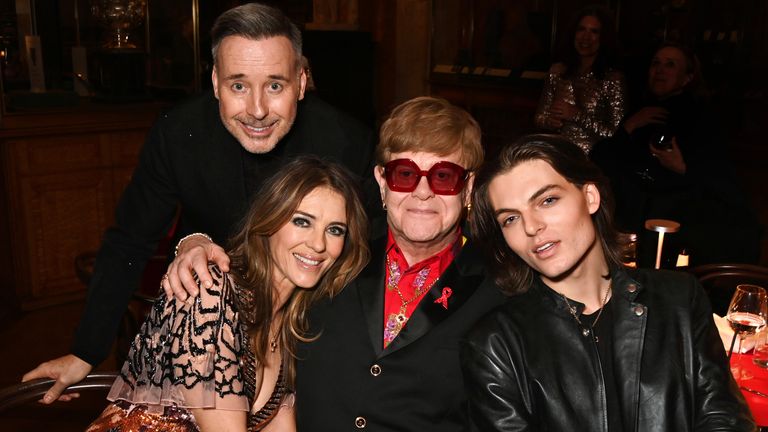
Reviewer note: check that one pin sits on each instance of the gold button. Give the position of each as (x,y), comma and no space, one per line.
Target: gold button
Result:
(360,422)
(639,311)
(631,288)
(375,370)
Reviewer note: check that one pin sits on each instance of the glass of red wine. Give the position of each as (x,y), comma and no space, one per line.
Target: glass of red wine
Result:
(747,315)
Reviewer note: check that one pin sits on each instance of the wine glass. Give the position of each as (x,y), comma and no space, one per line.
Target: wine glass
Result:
(747,314)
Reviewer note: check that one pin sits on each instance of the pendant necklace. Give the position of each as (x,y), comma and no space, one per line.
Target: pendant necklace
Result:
(395,322)
(586,331)
(278,331)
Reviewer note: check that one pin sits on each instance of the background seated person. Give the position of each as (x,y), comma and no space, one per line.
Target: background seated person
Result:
(225,360)
(669,160)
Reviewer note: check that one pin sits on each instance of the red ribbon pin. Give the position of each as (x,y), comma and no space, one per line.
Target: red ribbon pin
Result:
(443,300)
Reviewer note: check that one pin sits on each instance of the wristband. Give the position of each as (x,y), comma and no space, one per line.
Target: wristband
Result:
(176,250)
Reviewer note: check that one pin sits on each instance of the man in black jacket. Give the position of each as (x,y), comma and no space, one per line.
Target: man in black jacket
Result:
(206,158)
(583,343)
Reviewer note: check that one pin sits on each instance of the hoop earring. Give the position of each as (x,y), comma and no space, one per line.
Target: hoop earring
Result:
(384,206)
(469,208)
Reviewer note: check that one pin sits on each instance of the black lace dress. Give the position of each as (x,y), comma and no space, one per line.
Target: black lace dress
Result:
(189,355)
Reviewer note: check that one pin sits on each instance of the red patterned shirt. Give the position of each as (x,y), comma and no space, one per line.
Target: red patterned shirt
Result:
(406,285)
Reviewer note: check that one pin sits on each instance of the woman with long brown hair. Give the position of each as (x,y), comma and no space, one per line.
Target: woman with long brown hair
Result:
(224,361)
(584,95)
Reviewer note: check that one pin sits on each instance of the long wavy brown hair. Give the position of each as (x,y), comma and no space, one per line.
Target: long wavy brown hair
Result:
(252,264)
(608,53)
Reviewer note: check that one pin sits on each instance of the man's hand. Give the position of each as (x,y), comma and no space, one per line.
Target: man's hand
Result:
(66,371)
(671,159)
(644,117)
(194,253)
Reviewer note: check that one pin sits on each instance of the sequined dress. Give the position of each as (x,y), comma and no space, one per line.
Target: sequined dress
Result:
(600,105)
(188,356)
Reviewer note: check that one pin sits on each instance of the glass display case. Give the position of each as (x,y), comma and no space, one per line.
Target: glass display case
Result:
(500,38)
(54,53)
(492,39)
(109,50)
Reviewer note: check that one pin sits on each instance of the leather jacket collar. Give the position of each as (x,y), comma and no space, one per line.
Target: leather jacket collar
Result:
(622,284)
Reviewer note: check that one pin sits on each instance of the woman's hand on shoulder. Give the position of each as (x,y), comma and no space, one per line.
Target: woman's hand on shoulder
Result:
(192,259)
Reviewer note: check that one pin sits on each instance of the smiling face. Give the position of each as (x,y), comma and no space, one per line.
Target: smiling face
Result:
(422,218)
(587,38)
(310,242)
(546,220)
(668,74)
(258,85)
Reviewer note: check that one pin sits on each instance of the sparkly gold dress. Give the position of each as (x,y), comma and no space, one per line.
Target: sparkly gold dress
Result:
(600,104)
(188,356)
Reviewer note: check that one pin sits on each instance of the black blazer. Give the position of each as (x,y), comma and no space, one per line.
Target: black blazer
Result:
(346,378)
(192,164)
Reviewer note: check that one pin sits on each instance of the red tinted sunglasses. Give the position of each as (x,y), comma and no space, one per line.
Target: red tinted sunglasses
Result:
(444,178)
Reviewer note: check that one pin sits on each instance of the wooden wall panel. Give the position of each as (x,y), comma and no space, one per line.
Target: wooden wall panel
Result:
(65,215)
(60,184)
(58,153)
(412,48)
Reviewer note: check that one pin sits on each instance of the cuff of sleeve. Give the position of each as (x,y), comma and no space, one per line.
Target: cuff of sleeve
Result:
(178,245)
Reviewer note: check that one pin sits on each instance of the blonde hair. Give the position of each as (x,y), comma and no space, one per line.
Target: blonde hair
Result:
(433,125)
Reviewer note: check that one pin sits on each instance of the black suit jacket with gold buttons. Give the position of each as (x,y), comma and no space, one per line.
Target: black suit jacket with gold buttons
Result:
(347,380)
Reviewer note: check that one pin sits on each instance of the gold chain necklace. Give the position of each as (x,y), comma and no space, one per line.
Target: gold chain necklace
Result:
(277,332)
(394,285)
(584,330)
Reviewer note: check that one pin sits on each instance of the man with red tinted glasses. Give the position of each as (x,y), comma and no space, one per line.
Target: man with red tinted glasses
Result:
(387,353)
(444,178)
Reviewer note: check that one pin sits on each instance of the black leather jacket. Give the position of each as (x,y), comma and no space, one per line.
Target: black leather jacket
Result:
(527,366)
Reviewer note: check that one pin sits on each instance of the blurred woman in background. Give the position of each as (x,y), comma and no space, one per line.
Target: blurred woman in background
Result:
(584,94)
